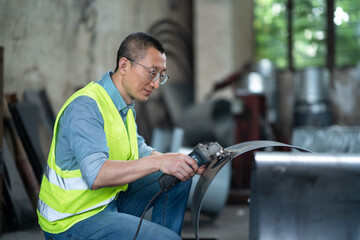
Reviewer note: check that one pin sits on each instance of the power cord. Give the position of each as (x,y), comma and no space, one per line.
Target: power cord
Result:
(146,208)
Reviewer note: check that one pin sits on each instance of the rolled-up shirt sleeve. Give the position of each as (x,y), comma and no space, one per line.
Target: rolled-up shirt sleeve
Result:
(90,166)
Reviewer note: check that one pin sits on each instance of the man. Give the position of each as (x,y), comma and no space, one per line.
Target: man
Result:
(100,173)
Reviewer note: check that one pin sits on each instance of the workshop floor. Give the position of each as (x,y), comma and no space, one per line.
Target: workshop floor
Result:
(233,223)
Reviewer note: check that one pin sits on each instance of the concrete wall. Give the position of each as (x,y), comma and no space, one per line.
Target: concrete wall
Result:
(47,44)
(223,42)
(61,45)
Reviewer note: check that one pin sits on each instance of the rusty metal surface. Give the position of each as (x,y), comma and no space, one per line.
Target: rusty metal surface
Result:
(214,167)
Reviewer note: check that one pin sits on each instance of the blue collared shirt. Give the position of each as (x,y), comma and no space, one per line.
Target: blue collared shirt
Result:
(81,138)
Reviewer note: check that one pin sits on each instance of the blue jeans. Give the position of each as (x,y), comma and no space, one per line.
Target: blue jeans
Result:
(121,217)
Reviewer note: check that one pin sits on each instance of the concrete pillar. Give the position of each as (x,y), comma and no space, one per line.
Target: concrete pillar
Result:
(223,41)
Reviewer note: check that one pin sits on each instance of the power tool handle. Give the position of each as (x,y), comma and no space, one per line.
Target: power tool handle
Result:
(167,181)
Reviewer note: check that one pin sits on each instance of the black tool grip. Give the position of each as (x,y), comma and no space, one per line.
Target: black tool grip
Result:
(167,181)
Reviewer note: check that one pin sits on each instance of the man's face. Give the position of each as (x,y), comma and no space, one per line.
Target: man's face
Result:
(139,85)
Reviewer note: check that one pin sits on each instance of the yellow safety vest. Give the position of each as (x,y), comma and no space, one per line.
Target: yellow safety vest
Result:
(65,198)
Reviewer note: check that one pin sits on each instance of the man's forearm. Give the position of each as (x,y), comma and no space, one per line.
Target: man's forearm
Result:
(117,173)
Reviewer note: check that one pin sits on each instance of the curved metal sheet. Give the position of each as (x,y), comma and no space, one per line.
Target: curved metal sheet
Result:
(214,167)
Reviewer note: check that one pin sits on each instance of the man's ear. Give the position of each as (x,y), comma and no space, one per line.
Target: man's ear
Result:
(124,65)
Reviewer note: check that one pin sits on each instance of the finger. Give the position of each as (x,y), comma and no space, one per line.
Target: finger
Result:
(187,172)
(181,176)
(190,161)
(191,170)
(201,170)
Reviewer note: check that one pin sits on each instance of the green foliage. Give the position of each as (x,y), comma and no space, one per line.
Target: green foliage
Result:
(309,32)
(270,31)
(348,34)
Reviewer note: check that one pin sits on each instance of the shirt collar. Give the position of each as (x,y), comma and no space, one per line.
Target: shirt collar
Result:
(107,83)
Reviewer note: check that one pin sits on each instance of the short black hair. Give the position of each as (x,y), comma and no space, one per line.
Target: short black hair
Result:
(135,45)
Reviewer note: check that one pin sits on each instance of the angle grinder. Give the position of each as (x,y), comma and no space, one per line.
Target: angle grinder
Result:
(203,154)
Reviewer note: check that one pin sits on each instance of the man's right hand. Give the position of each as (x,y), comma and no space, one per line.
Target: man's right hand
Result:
(179,165)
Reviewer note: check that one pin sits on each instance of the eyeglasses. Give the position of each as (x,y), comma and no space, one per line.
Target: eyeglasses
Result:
(154,75)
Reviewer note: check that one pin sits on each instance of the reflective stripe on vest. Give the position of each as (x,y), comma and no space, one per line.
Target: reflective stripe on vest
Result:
(75,183)
(65,198)
(53,215)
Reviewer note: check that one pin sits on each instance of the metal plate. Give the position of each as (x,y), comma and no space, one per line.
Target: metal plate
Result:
(307,196)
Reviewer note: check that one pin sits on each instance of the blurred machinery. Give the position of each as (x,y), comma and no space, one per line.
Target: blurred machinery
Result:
(312,103)
(211,120)
(267,71)
(332,139)
(257,93)
(254,108)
